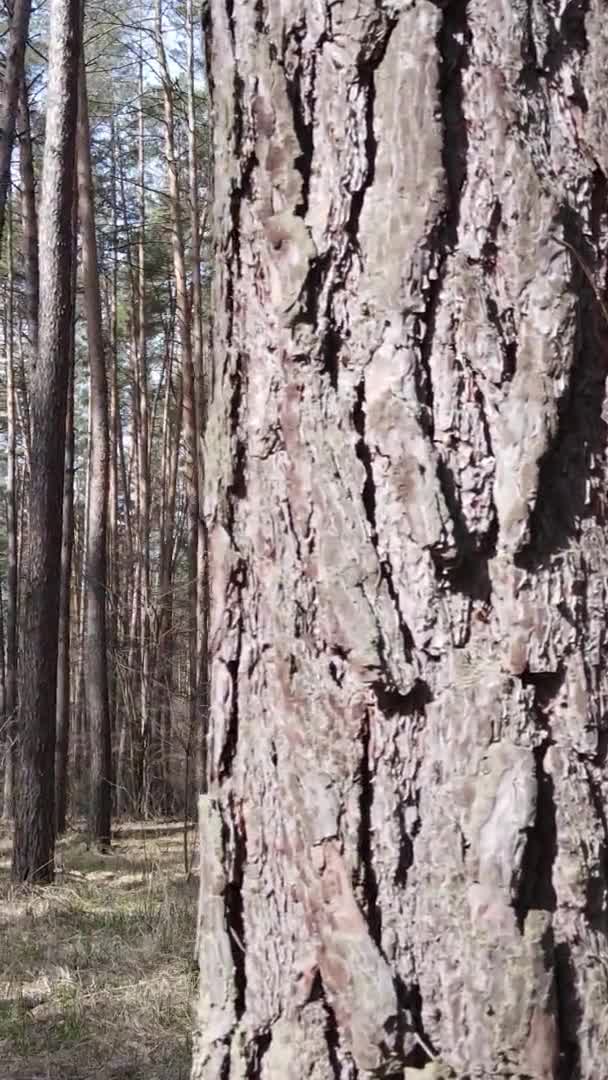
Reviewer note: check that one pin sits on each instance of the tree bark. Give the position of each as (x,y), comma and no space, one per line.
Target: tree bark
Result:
(405,839)
(12,547)
(9,98)
(34,841)
(5,736)
(64,685)
(113,519)
(29,215)
(96,643)
(79,732)
(171,433)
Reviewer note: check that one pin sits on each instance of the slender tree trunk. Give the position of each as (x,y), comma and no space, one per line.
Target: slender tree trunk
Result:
(80,738)
(96,648)
(64,655)
(34,842)
(9,95)
(195,233)
(166,635)
(29,215)
(131,743)
(405,841)
(12,526)
(202,573)
(113,533)
(5,749)
(22,403)
(143,460)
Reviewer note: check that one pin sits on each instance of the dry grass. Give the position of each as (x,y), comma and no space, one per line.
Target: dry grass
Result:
(96,972)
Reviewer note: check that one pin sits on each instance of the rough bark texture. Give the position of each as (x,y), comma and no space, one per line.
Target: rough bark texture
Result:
(9,94)
(35,825)
(406,464)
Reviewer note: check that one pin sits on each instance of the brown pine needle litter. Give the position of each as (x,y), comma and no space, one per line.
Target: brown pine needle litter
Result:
(97,980)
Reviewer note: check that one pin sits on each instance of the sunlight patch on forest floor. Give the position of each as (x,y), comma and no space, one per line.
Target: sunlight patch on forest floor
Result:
(96,972)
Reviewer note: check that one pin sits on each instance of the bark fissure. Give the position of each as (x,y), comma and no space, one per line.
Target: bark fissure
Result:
(567,38)
(506,337)
(362,450)
(502,321)
(257,1050)
(235,842)
(239,191)
(367,65)
(300,87)
(569,1012)
(332,1036)
(406,850)
(238,581)
(368,495)
(231,24)
(535,889)
(260,16)
(369,881)
(453,40)
(386,571)
(238,488)
(410,1018)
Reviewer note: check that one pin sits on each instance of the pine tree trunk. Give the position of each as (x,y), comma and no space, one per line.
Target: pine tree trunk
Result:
(12,547)
(96,645)
(29,215)
(201,706)
(9,94)
(143,467)
(34,843)
(114,553)
(172,424)
(79,736)
(4,741)
(64,685)
(405,839)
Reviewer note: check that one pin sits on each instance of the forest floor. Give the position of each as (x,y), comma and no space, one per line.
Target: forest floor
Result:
(96,972)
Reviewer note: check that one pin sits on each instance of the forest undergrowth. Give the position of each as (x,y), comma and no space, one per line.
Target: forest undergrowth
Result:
(96,971)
